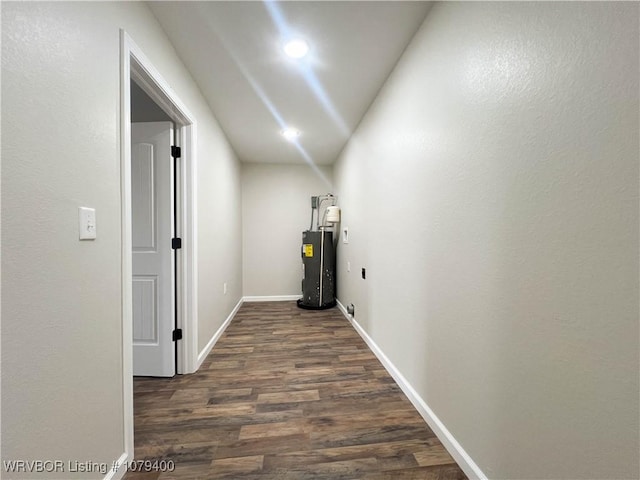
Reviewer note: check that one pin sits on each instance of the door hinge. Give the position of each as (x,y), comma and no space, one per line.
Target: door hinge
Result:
(176,243)
(177,334)
(176,152)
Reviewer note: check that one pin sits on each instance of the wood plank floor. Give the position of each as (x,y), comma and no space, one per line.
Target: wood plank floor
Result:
(286,394)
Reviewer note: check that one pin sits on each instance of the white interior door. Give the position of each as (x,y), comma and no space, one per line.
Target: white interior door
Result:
(153,260)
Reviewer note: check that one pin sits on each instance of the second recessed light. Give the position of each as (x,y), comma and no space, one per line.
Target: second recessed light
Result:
(290,133)
(296,48)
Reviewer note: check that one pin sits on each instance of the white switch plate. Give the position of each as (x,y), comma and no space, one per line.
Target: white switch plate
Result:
(87,223)
(348,266)
(345,235)
(224,288)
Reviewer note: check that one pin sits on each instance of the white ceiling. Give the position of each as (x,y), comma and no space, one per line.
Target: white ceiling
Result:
(234,52)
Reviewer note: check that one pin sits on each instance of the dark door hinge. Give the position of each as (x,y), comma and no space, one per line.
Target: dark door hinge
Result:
(177,334)
(176,152)
(176,243)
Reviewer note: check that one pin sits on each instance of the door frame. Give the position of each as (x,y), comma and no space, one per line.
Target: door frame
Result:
(134,65)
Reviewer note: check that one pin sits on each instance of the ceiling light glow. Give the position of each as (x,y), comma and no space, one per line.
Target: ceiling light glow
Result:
(290,133)
(296,48)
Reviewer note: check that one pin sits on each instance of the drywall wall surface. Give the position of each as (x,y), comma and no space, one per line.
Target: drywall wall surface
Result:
(276,209)
(219,234)
(62,337)
(352,179)
(62,371)
(496,181)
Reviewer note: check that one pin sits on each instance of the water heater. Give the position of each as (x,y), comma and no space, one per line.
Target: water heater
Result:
(319,258)
(318,270)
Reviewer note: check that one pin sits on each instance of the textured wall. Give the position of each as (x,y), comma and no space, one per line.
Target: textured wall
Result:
(61,298)
(219,232)
(276,208)
(492,193)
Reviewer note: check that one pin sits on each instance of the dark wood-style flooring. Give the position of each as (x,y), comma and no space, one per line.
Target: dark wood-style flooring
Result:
(286,394)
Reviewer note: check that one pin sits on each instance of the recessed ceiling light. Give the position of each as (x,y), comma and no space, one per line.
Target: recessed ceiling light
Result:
(296,48)
(290,133)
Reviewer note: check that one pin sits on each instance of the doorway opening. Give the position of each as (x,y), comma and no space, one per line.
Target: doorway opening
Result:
(139,75)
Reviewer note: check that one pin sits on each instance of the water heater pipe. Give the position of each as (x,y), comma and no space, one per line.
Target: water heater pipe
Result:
(321,199)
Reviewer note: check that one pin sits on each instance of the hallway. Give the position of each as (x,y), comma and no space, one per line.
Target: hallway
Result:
(286,394)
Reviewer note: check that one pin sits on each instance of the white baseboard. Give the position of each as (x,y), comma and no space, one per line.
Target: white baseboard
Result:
(271,298)
(216,336)
(117,473)
(465,462)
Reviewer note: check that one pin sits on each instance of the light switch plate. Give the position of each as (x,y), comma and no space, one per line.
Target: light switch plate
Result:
(345,235)
(87,223)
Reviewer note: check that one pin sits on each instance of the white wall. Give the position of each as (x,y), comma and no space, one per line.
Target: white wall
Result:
(219,233)
(492,193)
(61,298)
(276,208)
